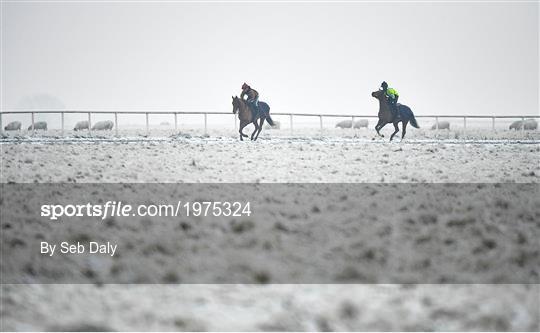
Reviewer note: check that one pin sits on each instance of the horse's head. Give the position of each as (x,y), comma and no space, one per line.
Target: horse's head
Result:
(379,94)
(235,104)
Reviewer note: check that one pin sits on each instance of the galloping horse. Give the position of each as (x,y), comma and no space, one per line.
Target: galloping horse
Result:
(246,116)
(385,115)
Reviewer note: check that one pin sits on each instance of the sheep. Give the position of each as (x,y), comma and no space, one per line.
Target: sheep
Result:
(516,125)
(80,125)
(13,126)
(530,124)
(344,124)
(441,125)
(103,125)
(361,123)
(40,125)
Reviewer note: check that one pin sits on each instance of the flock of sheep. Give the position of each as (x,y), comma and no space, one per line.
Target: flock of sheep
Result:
(16,126)
(99,126)
(81,125)
(362,123)
(528,124)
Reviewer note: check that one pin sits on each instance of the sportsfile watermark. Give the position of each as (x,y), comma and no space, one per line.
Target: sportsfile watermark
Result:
(121,209)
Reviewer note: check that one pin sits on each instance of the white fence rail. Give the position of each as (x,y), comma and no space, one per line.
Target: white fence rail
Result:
(205,114)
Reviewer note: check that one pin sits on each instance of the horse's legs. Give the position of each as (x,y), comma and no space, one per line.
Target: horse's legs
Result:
(260,127)
(256,128)
(396,128)
(242,135)
(379,126)
(404,129)
(242,125)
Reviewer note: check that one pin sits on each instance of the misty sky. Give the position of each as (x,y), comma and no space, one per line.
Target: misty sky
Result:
(444,58)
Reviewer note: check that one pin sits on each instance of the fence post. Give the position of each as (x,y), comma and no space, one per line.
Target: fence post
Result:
(492,123)
(1,127)
(437,123)
(33,128)
(89,124)
(464,122)
(116,123)
(147,129)
(352,122)
(235,122)
(176,122)
(62,123)
(205,123)
(320,123)
(523,123)
(290,120)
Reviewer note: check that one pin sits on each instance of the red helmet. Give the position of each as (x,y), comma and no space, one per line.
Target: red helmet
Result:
(245,86)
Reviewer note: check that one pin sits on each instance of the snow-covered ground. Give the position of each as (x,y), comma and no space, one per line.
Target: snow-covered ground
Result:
(270,307)
(200,159)
(427,157)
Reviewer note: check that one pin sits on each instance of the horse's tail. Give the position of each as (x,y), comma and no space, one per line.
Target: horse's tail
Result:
(409,114)
(269,119)
(265,108)
(413,121)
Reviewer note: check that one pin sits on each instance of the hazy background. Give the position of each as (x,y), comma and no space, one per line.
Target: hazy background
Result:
(444,58)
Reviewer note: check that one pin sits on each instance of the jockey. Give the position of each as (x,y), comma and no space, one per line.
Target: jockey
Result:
(392,96)
(252,97)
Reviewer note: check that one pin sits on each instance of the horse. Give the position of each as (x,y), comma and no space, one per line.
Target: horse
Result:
(246,116)
(385,115)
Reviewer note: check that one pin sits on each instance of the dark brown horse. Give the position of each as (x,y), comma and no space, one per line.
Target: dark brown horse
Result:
(386,116)
(246,116)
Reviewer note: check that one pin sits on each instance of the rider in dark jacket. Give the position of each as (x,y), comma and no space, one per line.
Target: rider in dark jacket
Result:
(252,97)
(392,96)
